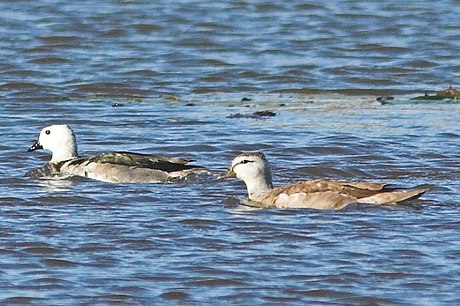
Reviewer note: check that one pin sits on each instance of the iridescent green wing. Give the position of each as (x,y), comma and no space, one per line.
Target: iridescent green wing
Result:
(167,164)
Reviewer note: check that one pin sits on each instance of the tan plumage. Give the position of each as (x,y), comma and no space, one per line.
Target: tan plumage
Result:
(254,170)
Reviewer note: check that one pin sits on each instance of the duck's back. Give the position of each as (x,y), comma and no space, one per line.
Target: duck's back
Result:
(167,164)
(128,167)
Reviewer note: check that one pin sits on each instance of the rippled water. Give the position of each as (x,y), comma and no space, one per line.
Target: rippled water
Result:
(178,73)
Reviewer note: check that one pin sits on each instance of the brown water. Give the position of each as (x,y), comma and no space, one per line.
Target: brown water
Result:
(319,67)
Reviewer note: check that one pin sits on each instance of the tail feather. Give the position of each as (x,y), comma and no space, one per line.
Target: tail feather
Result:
(393,197)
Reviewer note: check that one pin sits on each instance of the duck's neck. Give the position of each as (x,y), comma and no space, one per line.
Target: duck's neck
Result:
(65,152)
(257,186)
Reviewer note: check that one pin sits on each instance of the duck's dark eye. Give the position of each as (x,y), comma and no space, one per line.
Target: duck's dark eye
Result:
(47,132)
(245,161)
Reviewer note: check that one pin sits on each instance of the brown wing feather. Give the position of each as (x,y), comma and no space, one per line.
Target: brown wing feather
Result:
(354,189)
(364,185)
(324,194)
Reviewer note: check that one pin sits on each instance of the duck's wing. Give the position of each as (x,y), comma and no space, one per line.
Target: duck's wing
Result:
(394,197)
(311,194)
(380,194)
(324,194)
(162,163)
(360,185)
(354,189)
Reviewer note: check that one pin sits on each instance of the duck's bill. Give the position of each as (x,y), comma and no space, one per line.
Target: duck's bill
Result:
(35,146)
(228,174)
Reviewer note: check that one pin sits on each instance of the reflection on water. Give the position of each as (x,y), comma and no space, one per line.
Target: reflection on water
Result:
(57,184)
(177,71)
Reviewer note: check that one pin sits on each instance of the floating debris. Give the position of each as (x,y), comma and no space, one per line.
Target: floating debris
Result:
(449,94)
(171,97)
(254,115)
(264,113)
(116,104)
(383,99)
(134,99)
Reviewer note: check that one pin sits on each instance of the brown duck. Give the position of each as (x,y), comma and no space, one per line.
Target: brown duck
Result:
(254,170)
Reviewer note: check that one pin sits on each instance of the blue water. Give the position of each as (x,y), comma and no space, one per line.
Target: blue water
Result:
(177,72)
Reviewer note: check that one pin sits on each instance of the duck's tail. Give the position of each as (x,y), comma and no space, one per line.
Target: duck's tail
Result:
(393,197)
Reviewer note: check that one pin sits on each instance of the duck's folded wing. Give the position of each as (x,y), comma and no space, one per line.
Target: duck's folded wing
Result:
(162,163)
(317,194)
(356,189)
(364,185)
(323,194)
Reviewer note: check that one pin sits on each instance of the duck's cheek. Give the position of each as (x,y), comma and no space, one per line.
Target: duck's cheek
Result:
(242,176)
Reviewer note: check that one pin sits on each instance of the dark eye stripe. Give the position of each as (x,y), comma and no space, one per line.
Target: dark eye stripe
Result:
(245,161)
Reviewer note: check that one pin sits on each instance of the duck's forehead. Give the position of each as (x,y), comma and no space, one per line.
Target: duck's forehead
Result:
(56,129)
(44,130)
(247,156)
(48,128)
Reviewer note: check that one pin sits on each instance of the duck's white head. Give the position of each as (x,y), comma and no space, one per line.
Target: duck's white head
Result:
(254,170)
(60,140)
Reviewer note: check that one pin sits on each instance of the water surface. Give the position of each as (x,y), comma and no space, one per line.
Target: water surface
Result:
(178,71)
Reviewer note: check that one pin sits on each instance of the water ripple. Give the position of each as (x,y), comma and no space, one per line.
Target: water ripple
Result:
(164,78)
